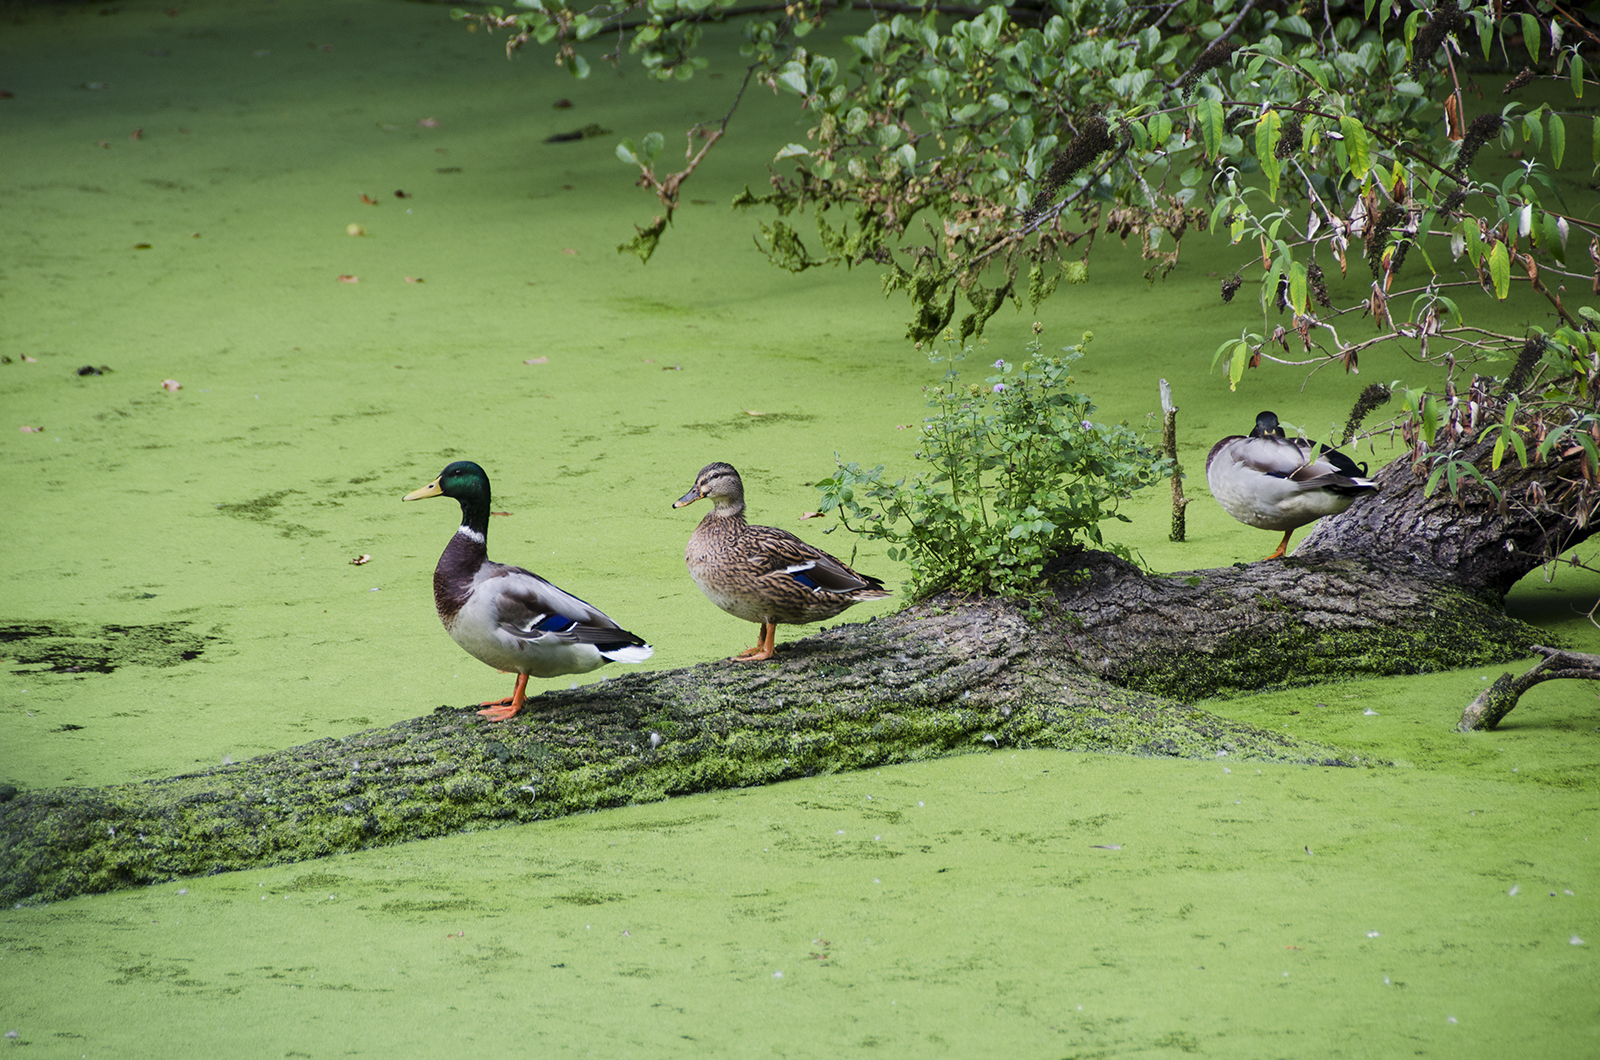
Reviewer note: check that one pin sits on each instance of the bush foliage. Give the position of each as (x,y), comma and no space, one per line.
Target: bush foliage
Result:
(1018,474)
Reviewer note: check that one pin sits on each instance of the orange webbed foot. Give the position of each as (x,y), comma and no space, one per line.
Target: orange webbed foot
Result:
(1283,546)
(501,709)
(765,645)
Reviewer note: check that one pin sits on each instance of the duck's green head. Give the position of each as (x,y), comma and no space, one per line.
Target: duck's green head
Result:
(467,483)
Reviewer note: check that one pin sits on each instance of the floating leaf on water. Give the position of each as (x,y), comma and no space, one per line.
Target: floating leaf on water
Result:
(537,360)
(429,123)
(171,384)
(361,560)
(354,230)
(349,279)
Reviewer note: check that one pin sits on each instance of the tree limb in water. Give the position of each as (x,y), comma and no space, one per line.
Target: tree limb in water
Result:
(1496,701)
(943,677)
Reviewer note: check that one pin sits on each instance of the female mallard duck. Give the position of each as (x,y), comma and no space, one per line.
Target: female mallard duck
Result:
(1268,480)
(760,573)
(508,617)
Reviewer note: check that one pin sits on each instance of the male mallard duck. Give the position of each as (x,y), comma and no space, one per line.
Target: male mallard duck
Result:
(508,617)
(760,573)
(1268,480)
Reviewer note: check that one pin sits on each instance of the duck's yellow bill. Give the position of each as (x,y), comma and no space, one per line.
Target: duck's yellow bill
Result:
(422,492)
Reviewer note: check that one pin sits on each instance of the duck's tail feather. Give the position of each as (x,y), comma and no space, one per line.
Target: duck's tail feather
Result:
(626,653)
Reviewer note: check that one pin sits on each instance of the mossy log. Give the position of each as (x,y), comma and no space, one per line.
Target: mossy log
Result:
(943,677)
(1293,621)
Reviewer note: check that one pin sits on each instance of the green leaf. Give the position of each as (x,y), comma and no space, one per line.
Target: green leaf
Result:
(1209,115)
(1531,32)
(1558,139)
(1433,480)
(628,152)
(793,77)
(1160,126)
(1500,269)
(1241,357)
(1317,71)
(1227,345)
(1474,240)
(1577,75)
(1357,153)
(1430,418)
(1297,287)
(1267,137)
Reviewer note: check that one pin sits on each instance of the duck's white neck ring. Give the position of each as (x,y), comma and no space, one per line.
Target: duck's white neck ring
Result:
(470,534)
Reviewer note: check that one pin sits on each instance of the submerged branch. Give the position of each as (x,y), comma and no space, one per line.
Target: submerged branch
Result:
(1496,701)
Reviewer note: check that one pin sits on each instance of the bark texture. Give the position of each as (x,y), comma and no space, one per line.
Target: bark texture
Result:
(944,677)
(1293,621)
(1474,541)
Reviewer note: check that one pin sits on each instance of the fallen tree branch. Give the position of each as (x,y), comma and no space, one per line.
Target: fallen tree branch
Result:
(943,677)
(1496,701)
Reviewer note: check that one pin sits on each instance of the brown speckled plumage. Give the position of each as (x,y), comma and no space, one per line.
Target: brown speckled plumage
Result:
(760,573)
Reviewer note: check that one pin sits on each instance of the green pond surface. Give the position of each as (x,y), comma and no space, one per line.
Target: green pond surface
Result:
(178,591)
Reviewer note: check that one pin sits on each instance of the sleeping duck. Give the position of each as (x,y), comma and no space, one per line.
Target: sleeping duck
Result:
(760,573)
(508,617)
(1268,480)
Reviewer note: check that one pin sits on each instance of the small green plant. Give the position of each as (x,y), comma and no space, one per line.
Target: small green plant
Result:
(1020,475)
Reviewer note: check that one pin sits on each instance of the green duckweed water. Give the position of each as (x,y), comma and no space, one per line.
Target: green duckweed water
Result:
(184,557)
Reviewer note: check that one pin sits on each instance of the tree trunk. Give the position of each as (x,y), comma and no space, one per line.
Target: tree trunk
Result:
(943,677)
(1291,621)
(1475,541)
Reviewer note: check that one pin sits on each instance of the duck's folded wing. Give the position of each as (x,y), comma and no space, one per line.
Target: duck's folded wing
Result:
(532,609)
(812,567)
(1279,457)
(1333,471)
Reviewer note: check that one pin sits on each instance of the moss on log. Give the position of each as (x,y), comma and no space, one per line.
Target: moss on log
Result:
(944,677)
(1206,633)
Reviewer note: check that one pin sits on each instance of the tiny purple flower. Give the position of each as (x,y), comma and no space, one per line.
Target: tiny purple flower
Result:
(1088,426)
(999,387)
(1000,364)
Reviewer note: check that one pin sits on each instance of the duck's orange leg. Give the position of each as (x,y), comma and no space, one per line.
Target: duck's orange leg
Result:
(1283,546)
(765,645)
(501,709)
